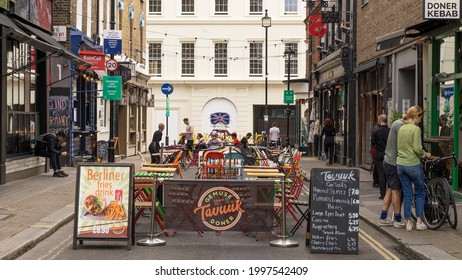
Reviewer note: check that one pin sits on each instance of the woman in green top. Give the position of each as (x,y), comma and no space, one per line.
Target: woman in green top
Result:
(409,167)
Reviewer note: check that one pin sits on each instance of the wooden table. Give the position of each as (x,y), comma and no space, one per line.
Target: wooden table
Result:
(158,169)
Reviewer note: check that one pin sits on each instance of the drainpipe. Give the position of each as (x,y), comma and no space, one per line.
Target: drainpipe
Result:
(420,84)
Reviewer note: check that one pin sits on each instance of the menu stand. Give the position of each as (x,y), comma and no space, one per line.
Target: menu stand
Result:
(284,242)
(152,239)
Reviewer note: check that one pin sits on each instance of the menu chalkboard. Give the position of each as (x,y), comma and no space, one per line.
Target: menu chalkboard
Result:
(334,202)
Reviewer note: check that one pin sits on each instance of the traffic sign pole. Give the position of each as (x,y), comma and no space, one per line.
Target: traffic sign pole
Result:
(166,89)
(111,142)
(167,114)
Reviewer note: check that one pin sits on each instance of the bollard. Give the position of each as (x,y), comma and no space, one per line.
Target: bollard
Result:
(152,240)
(284,242)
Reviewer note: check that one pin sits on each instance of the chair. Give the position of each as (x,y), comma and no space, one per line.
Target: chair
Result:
(234,165)
(143,201)
(213,165)
(292,165)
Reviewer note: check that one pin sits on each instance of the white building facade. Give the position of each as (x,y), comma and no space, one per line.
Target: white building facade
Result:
(213,53)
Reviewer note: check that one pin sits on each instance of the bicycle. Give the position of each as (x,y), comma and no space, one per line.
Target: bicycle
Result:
(439,204)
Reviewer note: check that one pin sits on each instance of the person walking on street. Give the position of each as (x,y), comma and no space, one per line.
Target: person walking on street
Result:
(154,147)
(50,146)
(375,175)
(410,171)
(274,134)
(393,194)
(379,141)
(329,131)
(189,134)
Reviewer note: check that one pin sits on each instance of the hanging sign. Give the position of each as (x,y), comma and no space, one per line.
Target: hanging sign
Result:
(317,27)
(442,9)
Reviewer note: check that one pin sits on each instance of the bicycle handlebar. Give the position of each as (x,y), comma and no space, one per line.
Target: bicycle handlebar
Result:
(438,160)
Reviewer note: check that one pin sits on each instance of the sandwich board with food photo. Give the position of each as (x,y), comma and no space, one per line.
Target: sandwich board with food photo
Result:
(103,202)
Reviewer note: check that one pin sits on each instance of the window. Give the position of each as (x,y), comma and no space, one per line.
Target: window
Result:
(187,59)
(293,60)
(155,62)
(256,68)
(155,7)
(256,7)
(21,112)
(221,59)
(290,6)
(187,7)
(221,7)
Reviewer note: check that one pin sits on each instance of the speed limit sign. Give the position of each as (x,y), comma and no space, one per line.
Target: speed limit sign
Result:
(112,65)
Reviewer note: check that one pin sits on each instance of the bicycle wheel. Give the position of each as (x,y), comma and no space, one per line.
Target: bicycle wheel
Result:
(452,212)
(436,203)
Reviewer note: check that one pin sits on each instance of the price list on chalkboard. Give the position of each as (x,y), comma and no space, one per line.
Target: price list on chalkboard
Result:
(334,203)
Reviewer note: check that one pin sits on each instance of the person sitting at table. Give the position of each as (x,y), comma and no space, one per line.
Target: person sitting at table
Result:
(245,140)
(214,142)
(234,137)
(201,144)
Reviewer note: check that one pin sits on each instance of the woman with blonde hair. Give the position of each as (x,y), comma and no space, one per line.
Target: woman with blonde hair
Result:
(409,167)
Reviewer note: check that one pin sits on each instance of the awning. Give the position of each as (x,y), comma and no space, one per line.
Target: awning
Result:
(369,65)
(427,26)
(14,31)
(391,40)
(396,38)
(47,42)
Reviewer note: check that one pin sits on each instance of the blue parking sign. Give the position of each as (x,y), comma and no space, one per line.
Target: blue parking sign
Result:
(112,41)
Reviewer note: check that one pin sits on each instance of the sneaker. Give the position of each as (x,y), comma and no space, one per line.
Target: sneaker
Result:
(64,173)
(420,226)
(58,174)
(384,222)
(409,226)
(399,224)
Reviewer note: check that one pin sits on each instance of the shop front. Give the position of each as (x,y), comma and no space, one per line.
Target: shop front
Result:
(372,95)
(28,53)
(445,104)
(332,88)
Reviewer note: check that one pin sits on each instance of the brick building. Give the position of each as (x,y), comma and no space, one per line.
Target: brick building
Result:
(404,59)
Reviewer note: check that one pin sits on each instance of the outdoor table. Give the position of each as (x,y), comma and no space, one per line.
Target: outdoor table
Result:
(158,169)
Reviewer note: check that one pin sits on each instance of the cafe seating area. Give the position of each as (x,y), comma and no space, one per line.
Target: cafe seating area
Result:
(228,164)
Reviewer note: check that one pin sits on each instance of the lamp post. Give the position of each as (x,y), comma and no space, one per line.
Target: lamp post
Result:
(266,22)
(288,52)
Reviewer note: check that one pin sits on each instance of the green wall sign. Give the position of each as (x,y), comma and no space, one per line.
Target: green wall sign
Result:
(289,96)
(112,87)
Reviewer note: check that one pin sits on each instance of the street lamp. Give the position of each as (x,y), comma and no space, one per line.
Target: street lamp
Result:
(266,22)
(288,52)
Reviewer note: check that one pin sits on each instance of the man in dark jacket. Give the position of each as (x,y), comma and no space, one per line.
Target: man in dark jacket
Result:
(50,146)
(379,141)
(154,147)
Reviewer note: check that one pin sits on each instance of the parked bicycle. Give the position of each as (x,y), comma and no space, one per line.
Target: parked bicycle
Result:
(439,205)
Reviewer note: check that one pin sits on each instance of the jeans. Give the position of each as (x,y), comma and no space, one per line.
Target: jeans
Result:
(409,175)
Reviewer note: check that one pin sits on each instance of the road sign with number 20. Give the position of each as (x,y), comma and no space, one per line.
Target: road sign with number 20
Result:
(112,65)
